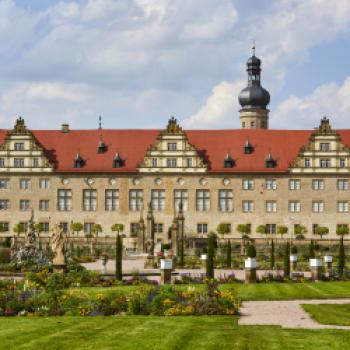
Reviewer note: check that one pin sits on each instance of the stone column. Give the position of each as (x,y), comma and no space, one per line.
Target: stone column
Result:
(150,230)
(316,269)
(174,236)
(166,266)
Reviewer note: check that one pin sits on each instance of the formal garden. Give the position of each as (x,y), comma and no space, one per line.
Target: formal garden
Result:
(51,298)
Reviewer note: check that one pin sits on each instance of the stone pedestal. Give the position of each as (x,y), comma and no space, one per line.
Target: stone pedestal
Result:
(328,260)
(203,259)
(250,270)
(293,262)
(59,268)
(166,266)
(316,269)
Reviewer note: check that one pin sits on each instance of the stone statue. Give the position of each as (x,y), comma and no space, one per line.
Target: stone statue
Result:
(58,240)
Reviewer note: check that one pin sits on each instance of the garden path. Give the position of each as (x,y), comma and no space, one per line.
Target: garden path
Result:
(287,314)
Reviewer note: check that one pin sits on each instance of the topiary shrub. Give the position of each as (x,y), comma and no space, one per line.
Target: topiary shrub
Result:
(251,251)
(294,250)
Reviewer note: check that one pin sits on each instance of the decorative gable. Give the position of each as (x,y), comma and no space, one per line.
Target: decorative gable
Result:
(21,152)
(325,153)
(172,153)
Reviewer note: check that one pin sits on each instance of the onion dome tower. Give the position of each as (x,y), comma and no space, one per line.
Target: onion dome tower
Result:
(254,98)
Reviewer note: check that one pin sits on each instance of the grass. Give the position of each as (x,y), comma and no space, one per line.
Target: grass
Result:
(333,314)
(155,333)
(265,291)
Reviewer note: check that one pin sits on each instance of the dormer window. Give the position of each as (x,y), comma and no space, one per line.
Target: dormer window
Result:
(342,163)
(35,162)
(307,163)
(154,163)
(79,162)
(101,148)
(189,163)
(172,146)
(270,162)
(324,146)
(248,148)
(118,161)
(228,161)
(19,146)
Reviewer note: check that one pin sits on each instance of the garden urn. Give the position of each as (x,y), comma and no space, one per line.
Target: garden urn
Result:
(316,269)
(166,266)
(293,261)
(250,270)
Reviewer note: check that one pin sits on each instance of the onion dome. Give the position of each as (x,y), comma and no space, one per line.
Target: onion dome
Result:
(117,161)
(248,147)
(101,148)
(228,161)
(270,162)
(254,95)
(79,162)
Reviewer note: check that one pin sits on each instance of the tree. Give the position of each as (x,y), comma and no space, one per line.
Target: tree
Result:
(223,229)
(286,264)
(272,255)
(228,254)
(76,227)
(96,229)
(244,230)
(321,231)
(2,228)
(342,230)
(261,229)
(117,228)
(19,228)
(341,257)
(210,255)
(282,230)
(118,258)
(311,250)
(300,231)
(251,251)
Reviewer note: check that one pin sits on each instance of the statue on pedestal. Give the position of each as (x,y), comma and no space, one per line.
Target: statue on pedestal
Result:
(58,239)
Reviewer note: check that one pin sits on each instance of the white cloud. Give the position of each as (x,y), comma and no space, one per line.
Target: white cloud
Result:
(305,112)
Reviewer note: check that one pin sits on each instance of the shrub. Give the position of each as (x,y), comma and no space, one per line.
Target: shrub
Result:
(5,255)
(251,251)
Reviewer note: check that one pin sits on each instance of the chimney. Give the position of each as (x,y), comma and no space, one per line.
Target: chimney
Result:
(65,128)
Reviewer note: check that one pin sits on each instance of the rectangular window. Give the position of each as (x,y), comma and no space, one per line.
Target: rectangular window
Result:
(294,206)
(318,207)
(317,185)
(5,226)
(64,226)
(2,162)
(172,146)
(19,146)
(270,184)
(154,163)
(181,196)
(36,162)
(189,162)
(271,228)
(64,200)
(343,206)
(134,227)
(342,163)
(171,162)
(225,200)
(248,184)
(44,184)
(248,206)
(24,184)
(89,200)
(325,163)
(307,163)
(324,146)
(88,227)
(24,204)
(342,185)
(18,162)
(4,184)
(271,206)
(45,226)
(202,200)
(4,204)
(135,200)
(111,200)
(158,200)
(202,228)
(158,228)
(44,204)
(294,185)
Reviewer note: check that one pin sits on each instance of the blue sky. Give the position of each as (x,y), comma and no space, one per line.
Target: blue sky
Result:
(137,62)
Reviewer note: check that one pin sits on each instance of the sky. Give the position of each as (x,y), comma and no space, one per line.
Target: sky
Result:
(138,62)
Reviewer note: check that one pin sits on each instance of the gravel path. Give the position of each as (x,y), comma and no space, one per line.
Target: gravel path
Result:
(287,314)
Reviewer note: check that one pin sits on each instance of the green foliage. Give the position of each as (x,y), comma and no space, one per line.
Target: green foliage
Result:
(118,258)
(39,227)
(286,261)
(300,231)
(282,230)
(19,228)
(312,250)
(341,257)
(294,250)
(228,254)
(96,229)
(117,228)
(2,228)
(5,255)
(223,229)
(251,251)
(210,255)
(261,229)
(321,231)
(272,255)
(76,227)
(243,229)
(342,230)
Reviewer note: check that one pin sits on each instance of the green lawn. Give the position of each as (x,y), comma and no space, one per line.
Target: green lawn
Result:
(330,314)
(266,291)
(153,333)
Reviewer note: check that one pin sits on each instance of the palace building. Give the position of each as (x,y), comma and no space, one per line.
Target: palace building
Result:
(162,184)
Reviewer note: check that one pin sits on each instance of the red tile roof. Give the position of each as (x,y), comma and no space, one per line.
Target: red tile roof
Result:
(212,145)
